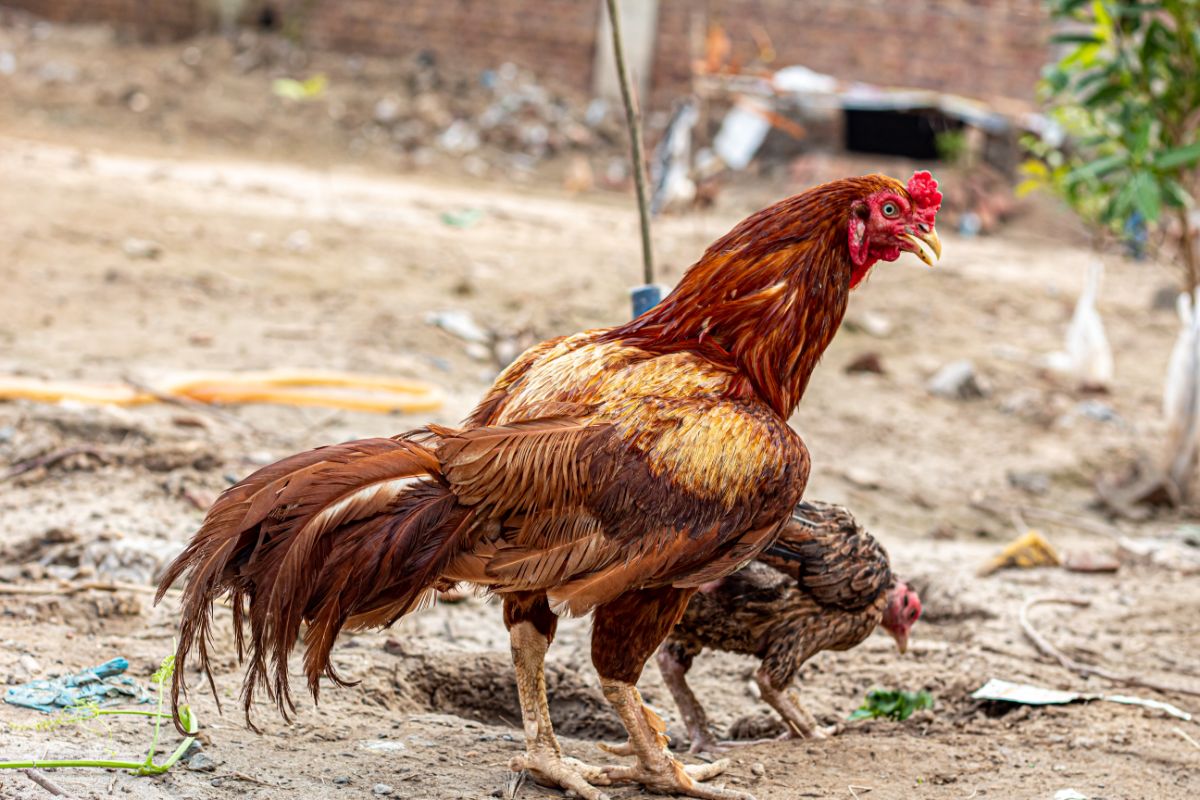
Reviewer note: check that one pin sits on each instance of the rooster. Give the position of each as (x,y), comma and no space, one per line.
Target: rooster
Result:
(824,585)
(614,471)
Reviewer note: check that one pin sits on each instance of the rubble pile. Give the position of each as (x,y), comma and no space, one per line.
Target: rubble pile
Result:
(267,94)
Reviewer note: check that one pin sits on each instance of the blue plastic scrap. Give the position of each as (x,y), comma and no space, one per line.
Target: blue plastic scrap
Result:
(103,684)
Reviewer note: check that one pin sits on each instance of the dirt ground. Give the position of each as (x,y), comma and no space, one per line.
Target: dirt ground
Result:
(290,256)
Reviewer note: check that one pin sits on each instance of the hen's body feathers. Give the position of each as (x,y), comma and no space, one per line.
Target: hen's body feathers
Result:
(822,585)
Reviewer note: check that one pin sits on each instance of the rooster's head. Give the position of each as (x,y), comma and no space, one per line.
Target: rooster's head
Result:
(903,609)
(893,219)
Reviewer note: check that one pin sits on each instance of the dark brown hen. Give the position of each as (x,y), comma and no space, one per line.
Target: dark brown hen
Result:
(824,585)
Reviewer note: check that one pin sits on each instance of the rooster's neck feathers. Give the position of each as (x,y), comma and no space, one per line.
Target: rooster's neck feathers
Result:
(767,298)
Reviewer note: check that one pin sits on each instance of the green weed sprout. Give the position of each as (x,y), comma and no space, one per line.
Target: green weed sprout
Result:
(893,704)
(86,712)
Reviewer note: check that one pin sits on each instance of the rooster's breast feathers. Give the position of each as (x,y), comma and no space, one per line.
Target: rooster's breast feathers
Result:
(645,474)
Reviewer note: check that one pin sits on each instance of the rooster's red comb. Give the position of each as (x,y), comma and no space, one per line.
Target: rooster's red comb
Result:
(923,190)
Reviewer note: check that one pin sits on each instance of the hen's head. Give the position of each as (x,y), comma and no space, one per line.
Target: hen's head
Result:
(903,609)
(892,219)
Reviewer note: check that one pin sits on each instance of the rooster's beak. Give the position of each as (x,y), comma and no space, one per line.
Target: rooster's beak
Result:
(928,246)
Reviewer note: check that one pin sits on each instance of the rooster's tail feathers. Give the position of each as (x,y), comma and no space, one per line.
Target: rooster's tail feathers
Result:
(356,532)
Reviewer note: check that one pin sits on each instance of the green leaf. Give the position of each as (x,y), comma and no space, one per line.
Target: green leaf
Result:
(1097,169)
(1085,55)
(1056,79)
(1178,157)
(1139,139)
(1075,38)
(1104,96)
(1069,6)
(1175,195)
(1147,195)
(1137,9)
(893,704)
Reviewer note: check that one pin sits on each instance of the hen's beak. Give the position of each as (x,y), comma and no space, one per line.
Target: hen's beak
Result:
(928,246)
(900,634)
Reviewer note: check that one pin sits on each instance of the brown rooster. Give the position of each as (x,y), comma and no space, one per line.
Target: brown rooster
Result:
(824,585)
(613,472)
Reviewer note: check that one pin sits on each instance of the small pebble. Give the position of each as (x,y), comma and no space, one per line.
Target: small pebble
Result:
(381,789)
(758,769)
(341,780)
(201,763)
(142,248)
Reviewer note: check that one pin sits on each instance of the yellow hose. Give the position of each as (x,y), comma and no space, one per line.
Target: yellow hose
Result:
(345,390)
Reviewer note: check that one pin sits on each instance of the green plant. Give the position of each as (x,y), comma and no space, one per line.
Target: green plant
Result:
(1126,93)
(951,146)
(892,703)
(85,713)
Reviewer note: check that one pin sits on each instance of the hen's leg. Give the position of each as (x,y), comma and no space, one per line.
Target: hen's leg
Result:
(674,661)
(800,723)
(531,628)
(625,632)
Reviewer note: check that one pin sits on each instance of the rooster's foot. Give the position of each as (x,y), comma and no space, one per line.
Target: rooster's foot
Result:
(551,769)
(625,748)
(677,778)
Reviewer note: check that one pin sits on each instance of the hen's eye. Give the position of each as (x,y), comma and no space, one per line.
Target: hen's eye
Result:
(890,209)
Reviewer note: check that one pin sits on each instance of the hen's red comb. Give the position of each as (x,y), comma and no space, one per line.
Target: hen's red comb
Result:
(923,190)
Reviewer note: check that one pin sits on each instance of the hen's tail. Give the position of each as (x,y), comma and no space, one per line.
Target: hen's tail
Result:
(354,534)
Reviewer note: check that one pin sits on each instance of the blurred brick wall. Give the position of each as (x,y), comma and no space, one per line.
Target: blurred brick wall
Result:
(981,48)
(984,48)
(555,38)
(148,19)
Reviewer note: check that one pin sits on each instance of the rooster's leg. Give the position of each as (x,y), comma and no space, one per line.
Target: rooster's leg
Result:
(543,757)
(674,661)
(800,723)
(625,632)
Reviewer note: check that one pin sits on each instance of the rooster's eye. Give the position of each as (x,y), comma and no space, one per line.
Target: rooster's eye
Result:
(890,209)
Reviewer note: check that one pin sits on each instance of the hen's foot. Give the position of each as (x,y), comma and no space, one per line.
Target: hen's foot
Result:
(708,744)
(551,769)
(701,744)
(817,732)
(672,777)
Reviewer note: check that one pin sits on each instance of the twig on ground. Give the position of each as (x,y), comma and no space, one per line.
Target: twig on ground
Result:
(48,460)
(41,780)
(69,587)
(854,794)
(1045,648)
(1185,735)
(241,776)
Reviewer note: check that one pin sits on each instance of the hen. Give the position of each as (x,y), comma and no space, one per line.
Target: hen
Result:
(612,472)
(824,585)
